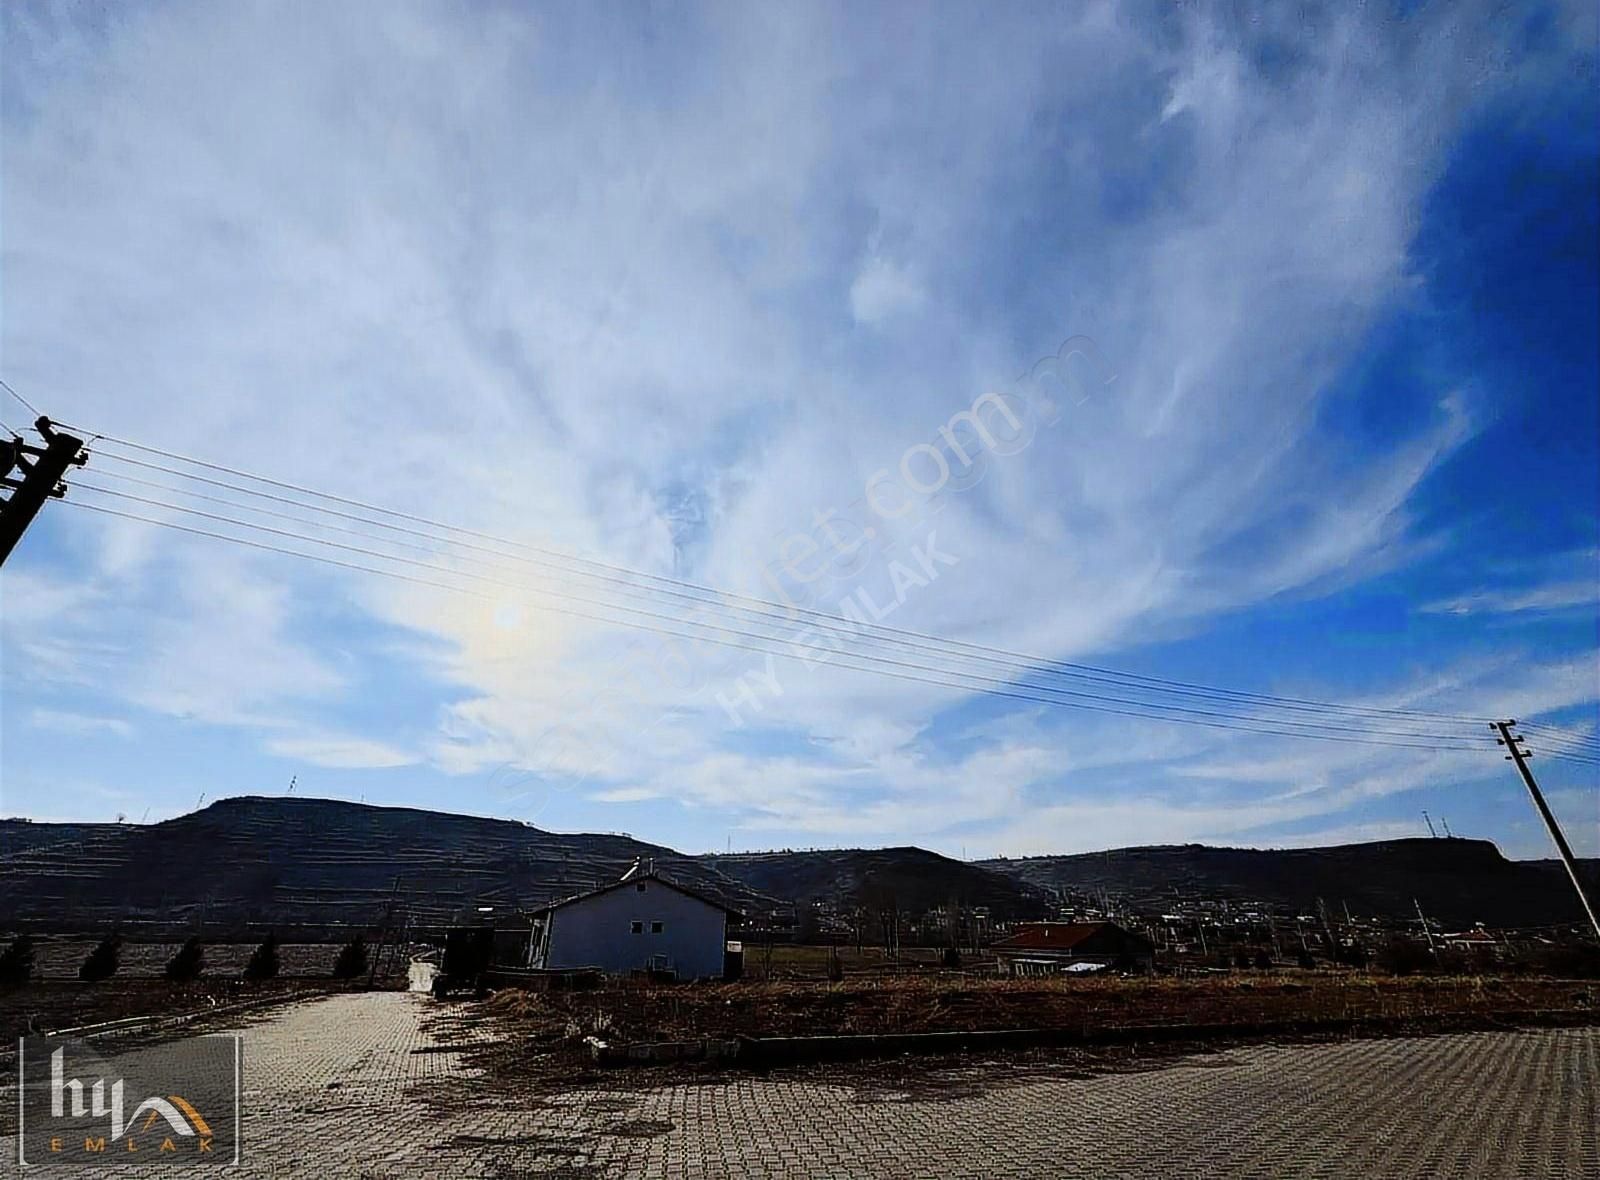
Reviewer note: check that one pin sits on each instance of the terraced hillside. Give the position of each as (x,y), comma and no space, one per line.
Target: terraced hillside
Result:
(308,864)
(1457,881)
(910,880)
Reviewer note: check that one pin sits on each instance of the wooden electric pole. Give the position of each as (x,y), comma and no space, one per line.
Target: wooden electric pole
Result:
(43,470)
(1520,756)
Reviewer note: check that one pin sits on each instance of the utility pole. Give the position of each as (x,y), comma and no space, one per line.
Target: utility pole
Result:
(383,932)
(1520,756)
(1327,929)
(43,471)
(1426,929)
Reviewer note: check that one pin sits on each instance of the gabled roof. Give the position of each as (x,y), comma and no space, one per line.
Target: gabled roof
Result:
(635,879)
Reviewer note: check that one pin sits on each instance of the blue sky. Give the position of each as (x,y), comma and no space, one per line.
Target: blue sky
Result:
(659,287)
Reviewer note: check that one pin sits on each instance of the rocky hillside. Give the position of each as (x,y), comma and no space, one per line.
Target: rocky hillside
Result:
(307,864)
(910,880)
(315,865)
(1457,881)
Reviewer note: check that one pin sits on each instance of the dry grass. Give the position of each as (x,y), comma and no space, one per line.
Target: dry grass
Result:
(54,1005)
(628,1011)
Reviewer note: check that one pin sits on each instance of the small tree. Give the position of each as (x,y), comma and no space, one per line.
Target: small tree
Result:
(263,963)
(16,964)
(352,959)
(188,963)
(104,960)
(835,966)
(1403,956)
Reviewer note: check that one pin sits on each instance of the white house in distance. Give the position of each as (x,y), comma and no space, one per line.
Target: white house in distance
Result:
(643,922)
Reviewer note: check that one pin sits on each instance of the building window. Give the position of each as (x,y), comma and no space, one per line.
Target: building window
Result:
(638,927)
(655,927)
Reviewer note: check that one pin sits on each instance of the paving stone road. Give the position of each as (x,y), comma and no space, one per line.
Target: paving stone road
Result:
(363,1086)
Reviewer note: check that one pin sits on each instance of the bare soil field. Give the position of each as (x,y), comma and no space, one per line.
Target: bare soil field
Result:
(57,999)
(924,1003)
(59,1004)
(60,957)
(534,1042)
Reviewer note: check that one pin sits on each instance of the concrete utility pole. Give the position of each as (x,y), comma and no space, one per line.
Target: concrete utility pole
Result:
(1520,756)
(42,473)
(1426,929)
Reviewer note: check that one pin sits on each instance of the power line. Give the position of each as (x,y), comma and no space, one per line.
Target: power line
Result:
(763,650)
(1558,733)
(1569,746)
(656,615)
(32,409)
(728,599)
(942,677)
(763,609)
(182,528)
(834,624)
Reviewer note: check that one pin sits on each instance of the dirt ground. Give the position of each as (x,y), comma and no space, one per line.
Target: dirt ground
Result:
(57,999)
(61,1004)
(59,957)
(630,1011)
(533,1042)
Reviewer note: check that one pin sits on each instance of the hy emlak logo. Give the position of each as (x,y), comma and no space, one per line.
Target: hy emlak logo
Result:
(189,1123)
(175,1104)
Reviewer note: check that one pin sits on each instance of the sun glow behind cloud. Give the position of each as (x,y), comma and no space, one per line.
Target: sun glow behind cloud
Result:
(662,296)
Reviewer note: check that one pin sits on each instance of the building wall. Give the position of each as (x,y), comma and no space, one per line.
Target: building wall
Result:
(597,932)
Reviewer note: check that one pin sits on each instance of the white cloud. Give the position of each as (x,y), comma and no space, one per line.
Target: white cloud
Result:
(443,262)
(79,724)
(339,752)
(882,290)
(1554,597)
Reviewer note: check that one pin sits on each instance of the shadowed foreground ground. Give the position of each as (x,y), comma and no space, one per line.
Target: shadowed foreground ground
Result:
(376,1085)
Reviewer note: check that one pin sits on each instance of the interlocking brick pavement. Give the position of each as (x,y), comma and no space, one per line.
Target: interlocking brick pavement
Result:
(337,1087)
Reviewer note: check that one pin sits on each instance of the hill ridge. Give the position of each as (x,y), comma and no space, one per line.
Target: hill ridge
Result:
(255,860)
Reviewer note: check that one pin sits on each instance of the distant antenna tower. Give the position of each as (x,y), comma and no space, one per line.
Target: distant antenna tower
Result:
(1429,822)
(293,778)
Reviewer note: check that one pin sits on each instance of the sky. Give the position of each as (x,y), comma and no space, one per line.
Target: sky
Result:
(1300,302)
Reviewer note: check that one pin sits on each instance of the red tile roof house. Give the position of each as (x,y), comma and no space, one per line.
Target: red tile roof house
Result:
(1049,948)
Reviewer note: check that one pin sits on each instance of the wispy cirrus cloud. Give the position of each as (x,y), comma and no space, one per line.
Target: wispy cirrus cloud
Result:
(339,752)
(79,724)
(1559,596)
(666,297)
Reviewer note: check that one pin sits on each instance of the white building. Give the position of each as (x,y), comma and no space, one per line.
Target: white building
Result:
(643,922)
